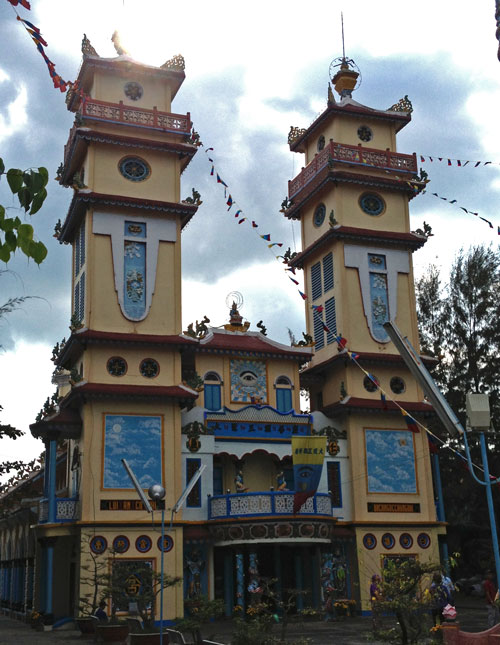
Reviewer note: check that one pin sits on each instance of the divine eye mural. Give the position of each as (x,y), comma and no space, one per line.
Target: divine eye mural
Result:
(390,461)
(248,381)
(138,439)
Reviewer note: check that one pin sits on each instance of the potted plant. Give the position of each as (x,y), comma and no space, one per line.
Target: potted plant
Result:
(95,579)
(200,612)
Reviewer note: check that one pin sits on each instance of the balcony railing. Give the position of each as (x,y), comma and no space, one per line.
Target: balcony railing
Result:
(129,115)
(352,156)
(67,510)
(270,504)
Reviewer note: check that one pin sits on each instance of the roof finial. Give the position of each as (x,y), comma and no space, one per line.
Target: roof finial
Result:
(343,41)
(345,80)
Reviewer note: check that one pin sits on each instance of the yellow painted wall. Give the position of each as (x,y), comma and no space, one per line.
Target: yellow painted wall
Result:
(345,130)
(173,562)
(92,447)
(357,423)
(109,86)
(370,562)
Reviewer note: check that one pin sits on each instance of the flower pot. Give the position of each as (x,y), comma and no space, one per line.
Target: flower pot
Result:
(86,627)
(147,639)
(116,634)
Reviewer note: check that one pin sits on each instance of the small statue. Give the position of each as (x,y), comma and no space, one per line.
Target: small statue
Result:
(331,220)
(262,327)
(281,481)
(238,482)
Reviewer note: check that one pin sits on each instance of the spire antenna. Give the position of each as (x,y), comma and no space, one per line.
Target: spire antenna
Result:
(343,41)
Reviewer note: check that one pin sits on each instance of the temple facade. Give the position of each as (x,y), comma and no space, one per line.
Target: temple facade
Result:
(132,385)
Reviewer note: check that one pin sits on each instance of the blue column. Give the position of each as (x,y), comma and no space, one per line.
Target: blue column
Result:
(228,583)
(240,581)
(299,578)
(491,510)
(51,492)
(49,577)
(440,506)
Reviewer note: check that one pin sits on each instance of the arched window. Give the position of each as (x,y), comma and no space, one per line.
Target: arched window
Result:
(212,391)
(284,388)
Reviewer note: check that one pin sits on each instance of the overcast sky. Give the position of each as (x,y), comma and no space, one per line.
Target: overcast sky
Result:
(252,71)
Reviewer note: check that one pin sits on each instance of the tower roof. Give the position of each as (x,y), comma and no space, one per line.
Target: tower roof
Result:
(399,114)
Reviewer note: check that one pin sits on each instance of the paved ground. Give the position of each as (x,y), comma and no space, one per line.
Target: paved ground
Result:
(350,631)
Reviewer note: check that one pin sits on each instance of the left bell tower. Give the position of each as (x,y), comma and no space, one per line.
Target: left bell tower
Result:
(119,374)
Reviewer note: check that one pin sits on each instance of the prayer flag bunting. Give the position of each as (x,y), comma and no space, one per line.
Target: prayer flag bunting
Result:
(433,445)
(229,202)
(410,422)
(274,244)
(220,181)
(294,281)
(254,224)
(242,220)
(212,171)
(303,295)
(318,308)
(238,213)
(325,328)
(266,237)
(341,342)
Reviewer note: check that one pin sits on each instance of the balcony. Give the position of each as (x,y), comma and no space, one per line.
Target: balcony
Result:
(128,115)
(273,504)
(67,510)
(352,156)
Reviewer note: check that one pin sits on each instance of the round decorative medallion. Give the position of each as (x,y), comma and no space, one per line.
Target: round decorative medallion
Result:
(372,204)
(193,444)
(333,448)
(369,541)
(319,215)
(423,540)
(258,531)
(369,385)
(133,90)
(98,544)
(149,368)
(365,133)
(168,543)
(116,366)
(143,543)
(134,169)
(306,530)
(321,143)
(388,540)
(406,540)
(235,532)
(121,544)
(398,386)
(283,530)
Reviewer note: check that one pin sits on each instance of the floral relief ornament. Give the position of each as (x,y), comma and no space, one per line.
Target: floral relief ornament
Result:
(379,309)
(132,250)
(135,285)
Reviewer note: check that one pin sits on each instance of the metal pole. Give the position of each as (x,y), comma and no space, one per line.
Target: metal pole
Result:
(491,510)
(162,558)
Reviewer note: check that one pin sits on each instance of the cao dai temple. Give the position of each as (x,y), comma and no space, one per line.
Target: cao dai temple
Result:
(133,385)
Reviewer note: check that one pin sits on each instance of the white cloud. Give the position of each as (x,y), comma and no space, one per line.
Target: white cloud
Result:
(17,116)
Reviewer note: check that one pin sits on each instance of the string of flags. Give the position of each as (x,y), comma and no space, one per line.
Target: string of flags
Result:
(466,210)
(456,162)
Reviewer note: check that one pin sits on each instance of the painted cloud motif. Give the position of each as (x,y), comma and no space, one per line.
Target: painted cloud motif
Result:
(138,440)
(390,460)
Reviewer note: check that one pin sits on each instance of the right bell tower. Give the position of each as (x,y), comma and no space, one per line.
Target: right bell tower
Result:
(352,200)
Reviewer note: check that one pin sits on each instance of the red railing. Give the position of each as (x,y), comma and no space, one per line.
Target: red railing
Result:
(353,156)
(128,115)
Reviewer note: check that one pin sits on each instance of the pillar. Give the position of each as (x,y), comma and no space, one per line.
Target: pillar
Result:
(240,581)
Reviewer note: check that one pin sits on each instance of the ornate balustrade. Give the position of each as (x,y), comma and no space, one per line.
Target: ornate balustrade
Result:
(67,510)
(128,115)
(268,504)
(352,156)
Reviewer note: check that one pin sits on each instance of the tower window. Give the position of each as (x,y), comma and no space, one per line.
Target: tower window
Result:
(369,384)
(365,133)
(116,366)
(319,215)
(133,90)
(372,204)
(331,320)
(212,391)
(319,332)
(134,168)
(328,272)
(397,384)
(149,368)
(283,387)
(316,281)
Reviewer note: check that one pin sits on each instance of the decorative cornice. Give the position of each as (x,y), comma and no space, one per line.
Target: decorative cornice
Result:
(91,391)
(79,340)
(358,404)
(83,199)
(411,241)
(65,424)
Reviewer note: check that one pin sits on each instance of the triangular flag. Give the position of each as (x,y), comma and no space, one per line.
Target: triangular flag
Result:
(238,213)
(294,281)
(254,224)
(266,237)
(219,181)
(410,422)
(303,295)
(242,220)
(229,202)
(274,244)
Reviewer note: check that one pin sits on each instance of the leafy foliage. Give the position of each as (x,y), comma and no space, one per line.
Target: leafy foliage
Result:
(29,187)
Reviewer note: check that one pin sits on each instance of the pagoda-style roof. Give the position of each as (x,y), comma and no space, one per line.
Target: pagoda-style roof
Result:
(84,198)
(411,241)
(79,138)
(80,339)
(65,424)
(347,106)
(365,405)
(126,66)
(83,392)
(221,341)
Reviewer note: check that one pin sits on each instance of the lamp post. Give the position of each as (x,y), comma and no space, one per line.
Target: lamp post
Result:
(157,493)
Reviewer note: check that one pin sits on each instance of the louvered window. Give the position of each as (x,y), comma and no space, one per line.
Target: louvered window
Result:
(334,483)
(79,288)
(316,281)
(331,320)
(319,332)
(328,272)
(80,249)
(79,298)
